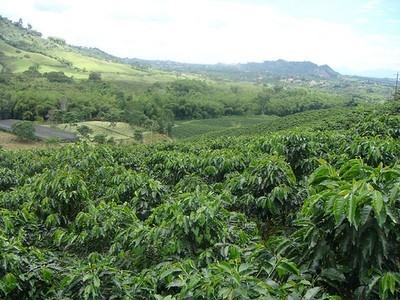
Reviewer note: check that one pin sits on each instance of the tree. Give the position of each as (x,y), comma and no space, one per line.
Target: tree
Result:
(94,76)
(33,71)
(165,122)
(57,40)
(6,106)
(138,136)
(57,77)
(84,131)
(100,138)
(20,23)
(24,130)
(263,99)
(135,117)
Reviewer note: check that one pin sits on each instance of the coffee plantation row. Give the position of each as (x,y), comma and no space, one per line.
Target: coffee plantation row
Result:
(290,215)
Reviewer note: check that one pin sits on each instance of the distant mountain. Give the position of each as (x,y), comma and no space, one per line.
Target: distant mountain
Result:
(63,55)
(288,68)
(251,71)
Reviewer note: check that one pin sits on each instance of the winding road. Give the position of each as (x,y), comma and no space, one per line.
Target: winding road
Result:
(43,132)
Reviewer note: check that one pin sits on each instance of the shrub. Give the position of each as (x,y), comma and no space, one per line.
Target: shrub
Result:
(24,130)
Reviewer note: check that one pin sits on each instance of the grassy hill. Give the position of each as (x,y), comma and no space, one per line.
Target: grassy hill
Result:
(21,48)
(64,59)
(49,81)
(286,191)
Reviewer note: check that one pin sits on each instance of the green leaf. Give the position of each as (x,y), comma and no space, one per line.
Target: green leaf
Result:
(287,266)
(367,246)
(394,194)
(387,283)
(351,209)
(176,283)
(9,283)
(311,293)
(377,201)
(47,274)
(225,266)
(390,213)
(333,274)
(246,269)
(365,212)
(338,207)
(284,245)
(96,281)
(226,293)
(372,283)
(210,170)
(169,272)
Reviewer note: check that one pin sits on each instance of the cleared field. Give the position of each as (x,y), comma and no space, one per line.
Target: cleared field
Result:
(93,64)
(43,132)
(119,131)
(19,60)
(9,141)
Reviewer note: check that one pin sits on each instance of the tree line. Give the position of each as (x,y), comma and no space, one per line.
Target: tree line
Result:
(56,97)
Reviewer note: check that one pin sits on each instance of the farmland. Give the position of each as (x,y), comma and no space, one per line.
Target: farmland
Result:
(294,214)
(273,180)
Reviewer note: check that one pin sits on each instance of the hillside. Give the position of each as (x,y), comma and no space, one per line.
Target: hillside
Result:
(284,186)
(251,71)
(54,48)
(49,81)
(22,47)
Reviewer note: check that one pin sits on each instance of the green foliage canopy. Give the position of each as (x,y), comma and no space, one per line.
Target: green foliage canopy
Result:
(25,130)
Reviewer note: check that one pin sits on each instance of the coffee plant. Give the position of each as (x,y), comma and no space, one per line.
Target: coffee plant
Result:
(289,215)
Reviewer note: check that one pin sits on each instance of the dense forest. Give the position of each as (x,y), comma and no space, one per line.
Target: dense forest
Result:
(54,97)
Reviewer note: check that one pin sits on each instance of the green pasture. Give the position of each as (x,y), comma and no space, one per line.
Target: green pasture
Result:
(117,130)
(19,60)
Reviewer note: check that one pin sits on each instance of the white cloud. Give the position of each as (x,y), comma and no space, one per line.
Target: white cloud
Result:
(56,6)
(362,20)
(205,31)
(371,5)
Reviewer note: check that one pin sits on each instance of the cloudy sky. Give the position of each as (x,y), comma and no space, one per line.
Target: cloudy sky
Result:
(352,36)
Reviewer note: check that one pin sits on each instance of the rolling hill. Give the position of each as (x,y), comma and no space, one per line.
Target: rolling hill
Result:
(49,81)
(21,47)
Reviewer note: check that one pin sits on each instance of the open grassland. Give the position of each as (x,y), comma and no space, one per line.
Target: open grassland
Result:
(79,66)
(120,132)
(9,141)
(94,64)
(18,60)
